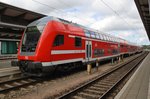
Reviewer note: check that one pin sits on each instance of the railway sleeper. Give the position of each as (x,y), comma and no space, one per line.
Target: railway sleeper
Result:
(87,96)
(16,83)
(105,84)
(77,97)
(97,89)
(8,86)
(110,80)
(92,92)
(100,86)
(24,81)
(103,88)
(1,88)
(31,80)
(106,81)
(114,77)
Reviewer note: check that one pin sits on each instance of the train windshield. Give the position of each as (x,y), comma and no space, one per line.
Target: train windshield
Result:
(30,40)
(33,33)
(31,36)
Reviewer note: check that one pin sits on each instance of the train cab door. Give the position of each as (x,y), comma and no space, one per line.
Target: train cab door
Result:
(88,47)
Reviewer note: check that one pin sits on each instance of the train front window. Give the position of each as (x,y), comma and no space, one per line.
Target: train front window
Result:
(30,40)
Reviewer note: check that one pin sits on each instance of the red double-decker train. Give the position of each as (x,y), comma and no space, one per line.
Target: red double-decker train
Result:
(50,42)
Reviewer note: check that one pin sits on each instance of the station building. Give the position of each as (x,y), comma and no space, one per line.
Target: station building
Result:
(13,21)
(143,7)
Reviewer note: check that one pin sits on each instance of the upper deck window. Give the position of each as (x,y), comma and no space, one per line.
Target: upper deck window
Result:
(87,33)
(101,36)
(97,36)
(108,38)
(104,36)
(40,24)
(93,35)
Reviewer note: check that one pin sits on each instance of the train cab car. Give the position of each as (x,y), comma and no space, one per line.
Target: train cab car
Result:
(49,42)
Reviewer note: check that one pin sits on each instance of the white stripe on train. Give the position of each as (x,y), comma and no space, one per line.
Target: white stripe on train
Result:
(67,51)
(76,60)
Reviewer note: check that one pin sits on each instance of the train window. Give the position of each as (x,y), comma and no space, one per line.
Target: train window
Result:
(116,39)
(110,39)
(93,34)
(113,40)
(87,33)
(122,46)
(98,52)
(115,51)
(102,37)
(109,51)
(107,38)
(78,42)
(59,40)
(97,35)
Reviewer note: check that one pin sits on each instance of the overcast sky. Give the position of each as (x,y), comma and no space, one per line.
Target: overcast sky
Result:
(115,17)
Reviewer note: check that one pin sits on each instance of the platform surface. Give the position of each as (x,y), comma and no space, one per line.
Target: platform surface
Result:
(138,86)
(6,63)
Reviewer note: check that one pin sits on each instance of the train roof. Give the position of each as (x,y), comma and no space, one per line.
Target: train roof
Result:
(106,36)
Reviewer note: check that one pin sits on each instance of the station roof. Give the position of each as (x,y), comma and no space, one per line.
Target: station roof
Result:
(144,11)
(13,20)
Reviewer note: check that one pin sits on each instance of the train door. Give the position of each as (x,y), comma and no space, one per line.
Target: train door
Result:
(88,47)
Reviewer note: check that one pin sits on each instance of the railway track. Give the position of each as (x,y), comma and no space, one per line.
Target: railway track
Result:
(17,83)
(102,86)
(6,73)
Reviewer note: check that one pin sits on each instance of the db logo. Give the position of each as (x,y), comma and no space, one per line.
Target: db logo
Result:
(96,45)
(26,57)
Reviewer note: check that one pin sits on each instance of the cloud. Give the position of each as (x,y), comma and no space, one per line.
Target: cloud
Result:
(119,18)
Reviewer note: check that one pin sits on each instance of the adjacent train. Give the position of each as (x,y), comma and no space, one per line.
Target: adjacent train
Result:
(50,42)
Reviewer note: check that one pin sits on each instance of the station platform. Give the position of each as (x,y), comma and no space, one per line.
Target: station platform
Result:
(138,86)
(5,57)
(5,62)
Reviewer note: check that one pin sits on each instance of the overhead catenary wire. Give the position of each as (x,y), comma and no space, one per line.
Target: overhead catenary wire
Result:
(66,4)
(116,13)
(59,10)
(83,19)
